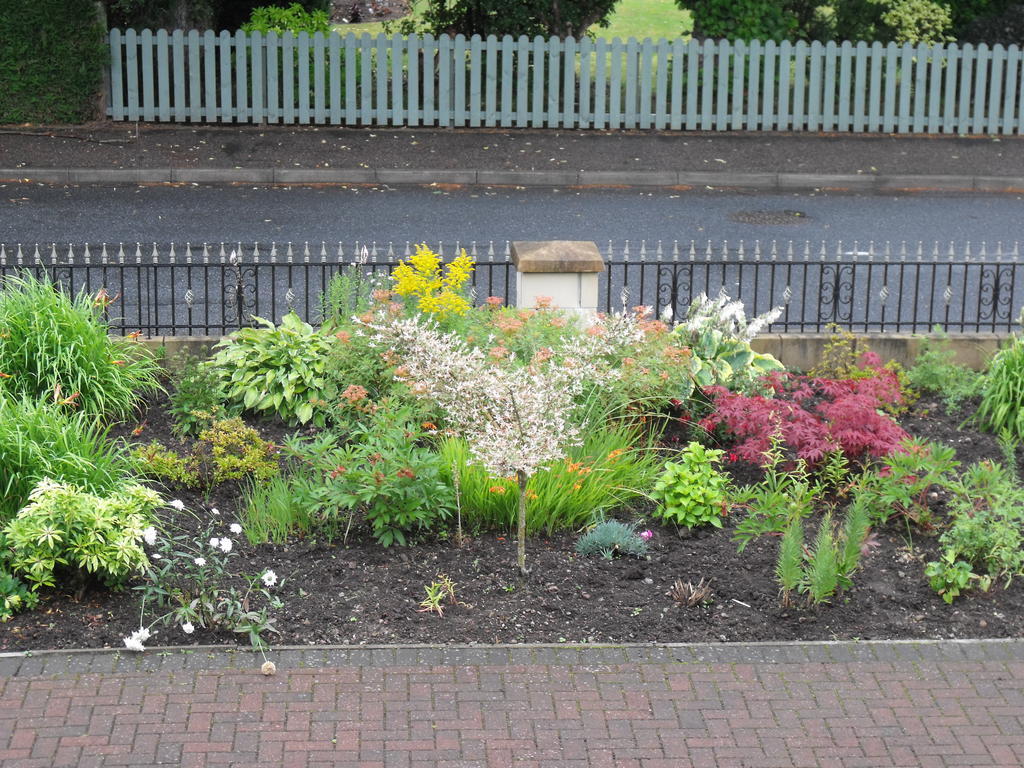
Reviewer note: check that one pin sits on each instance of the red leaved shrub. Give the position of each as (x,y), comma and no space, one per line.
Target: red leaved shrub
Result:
(812,416)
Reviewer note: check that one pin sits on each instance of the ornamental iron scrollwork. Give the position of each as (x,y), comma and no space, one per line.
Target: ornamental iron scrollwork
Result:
(995,294)
(239,293)
(835,293)
(674,281)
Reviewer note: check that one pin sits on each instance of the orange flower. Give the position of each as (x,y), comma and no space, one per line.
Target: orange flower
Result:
(614,454)
(499,489)
(381,295)
(542,302)
(406,472)
(354,393)
(557,322)
(499,352)
(343,336)
(5,375)
(428,425)
(494,301)
(596,330)
(542,355)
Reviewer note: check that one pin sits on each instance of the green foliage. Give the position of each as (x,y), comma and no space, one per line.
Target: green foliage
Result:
(845,356)
(235,452)
(293,19)
(52,54)
(349,293)
(611,468)
(198,398)
(14,596)
(985,539)
(789,571)
(822,572)
(57,348)
(279,370)
(934,371)
(819,572)
(1002,404)
(190,579)
(743,19)
(560,18)
(901,484)
(610,538)
(38,441)
(691,491)
(384,472)
(158,462)
(274,510)
(856,528)
(899,21)
(67,533)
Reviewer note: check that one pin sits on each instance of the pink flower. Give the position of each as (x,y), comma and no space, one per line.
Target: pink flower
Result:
(647,535)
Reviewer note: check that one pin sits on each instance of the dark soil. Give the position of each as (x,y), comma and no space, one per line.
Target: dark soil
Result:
(364,11)
(364,594)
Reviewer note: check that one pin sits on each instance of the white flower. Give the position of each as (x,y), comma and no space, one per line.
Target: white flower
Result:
(214,511)
(235,528)
(269,578)
(187,628)
(149,535)
(178,504)
(214,543)
(134,644)
(200,561)
(225,545)
(142,634)
(156,556)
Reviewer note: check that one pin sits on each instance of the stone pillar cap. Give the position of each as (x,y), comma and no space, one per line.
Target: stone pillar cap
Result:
(557,256)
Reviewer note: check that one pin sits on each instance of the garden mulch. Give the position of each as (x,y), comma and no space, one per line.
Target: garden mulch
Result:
(361,593)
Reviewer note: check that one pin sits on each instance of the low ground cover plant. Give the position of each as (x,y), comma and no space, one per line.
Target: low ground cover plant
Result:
(935,371)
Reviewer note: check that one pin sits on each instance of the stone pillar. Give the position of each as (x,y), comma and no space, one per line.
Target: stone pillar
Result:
(563,270)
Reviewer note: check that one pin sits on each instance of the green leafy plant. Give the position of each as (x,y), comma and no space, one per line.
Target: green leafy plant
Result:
(57,348)
(39,441)
(845,356)
(275,509)
(383,472)
(950,577)
(1002,403)
(277,369)
(349,293)
(294,19)
(610,538)
(198,398)
(230,450)
(161,463)
(14,596)
(189,578)
(789,570)
(900,485)
(439,589)
(691,492)
(934,371)
(65,533)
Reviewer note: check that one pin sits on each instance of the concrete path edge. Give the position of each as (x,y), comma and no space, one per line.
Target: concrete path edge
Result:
(173,658)
(765,182)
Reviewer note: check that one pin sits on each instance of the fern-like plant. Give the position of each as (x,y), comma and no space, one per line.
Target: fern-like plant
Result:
(823,564)
(789,570)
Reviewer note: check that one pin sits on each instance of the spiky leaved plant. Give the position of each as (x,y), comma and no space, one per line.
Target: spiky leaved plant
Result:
(789,570)
(823,564)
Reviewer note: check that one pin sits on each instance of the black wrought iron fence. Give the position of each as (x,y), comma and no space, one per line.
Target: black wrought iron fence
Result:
(213,289)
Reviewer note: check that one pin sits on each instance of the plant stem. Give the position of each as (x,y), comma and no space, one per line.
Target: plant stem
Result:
(521,553)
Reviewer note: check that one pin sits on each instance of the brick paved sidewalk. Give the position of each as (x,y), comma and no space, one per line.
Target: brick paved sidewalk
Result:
(844,704)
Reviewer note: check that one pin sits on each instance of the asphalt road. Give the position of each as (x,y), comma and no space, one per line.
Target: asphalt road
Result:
(39,213)
(205,297)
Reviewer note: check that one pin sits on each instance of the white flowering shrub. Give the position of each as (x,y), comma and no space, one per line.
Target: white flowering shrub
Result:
(187,577)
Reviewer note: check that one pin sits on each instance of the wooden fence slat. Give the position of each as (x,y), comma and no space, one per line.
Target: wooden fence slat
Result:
(227,108)
(800,121)
(179,111)
(242,114)
(195,89)
(381,78)
(554,72)
(768,115)
(891,79)
(844,84)
(963,113)
(508,57)
(210,73)
(335,76)
(366,79)
(785,121)
(982,56)
(585,115)
(258,79)
(906,86)
(459,80)
(600,83)
(615,85)
(413,48)
(399,67)
(707,86)
(828,102)
(920,88)
(860,86)
(320,93)
(538,59)
(722,100)
(677,107)
(523,82)
(491,82)
(949,101)
(116,100)
(569,92)
(661,86)
(739,52)
(814,113)
(148,99)
(163,75)
(288,75)
(935,65)
(995,91)
(645,62)
(754,84)
(475,96)
(692,83)
(629,119)
(351,79)
(1011,122)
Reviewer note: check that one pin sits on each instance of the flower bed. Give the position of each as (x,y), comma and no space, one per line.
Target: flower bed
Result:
(419,470)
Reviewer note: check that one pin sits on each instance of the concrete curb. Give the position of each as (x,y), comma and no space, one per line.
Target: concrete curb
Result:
(207,657)
(765,182)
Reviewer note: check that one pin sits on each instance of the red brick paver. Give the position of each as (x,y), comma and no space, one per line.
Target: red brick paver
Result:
(655,707)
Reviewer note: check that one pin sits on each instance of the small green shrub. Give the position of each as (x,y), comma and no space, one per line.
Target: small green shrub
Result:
(14,596)
(198,398)
(691,492)
(294,18)
(57,348)
(65,533)
(275,509)
(349,293)
(610,538)
(277,369)
(39,441)
(384,472)
(900,485)
(1002,403)
(230,450)
(935,371)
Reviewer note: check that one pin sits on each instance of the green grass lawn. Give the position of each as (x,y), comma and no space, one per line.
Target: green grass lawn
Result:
(632,18)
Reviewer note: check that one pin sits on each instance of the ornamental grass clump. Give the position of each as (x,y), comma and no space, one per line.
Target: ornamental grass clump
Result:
(515,418)
(58,348)
(1002,403)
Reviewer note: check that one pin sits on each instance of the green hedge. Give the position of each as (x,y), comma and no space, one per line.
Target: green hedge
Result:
(52,54)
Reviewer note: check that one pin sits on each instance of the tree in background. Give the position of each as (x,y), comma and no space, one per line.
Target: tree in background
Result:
(550,18)
(914,21)
(193,14)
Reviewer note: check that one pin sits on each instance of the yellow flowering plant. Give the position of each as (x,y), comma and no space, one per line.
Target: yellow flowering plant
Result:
(437,287)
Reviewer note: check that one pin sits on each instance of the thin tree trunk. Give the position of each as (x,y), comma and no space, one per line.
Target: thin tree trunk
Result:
(521,554)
